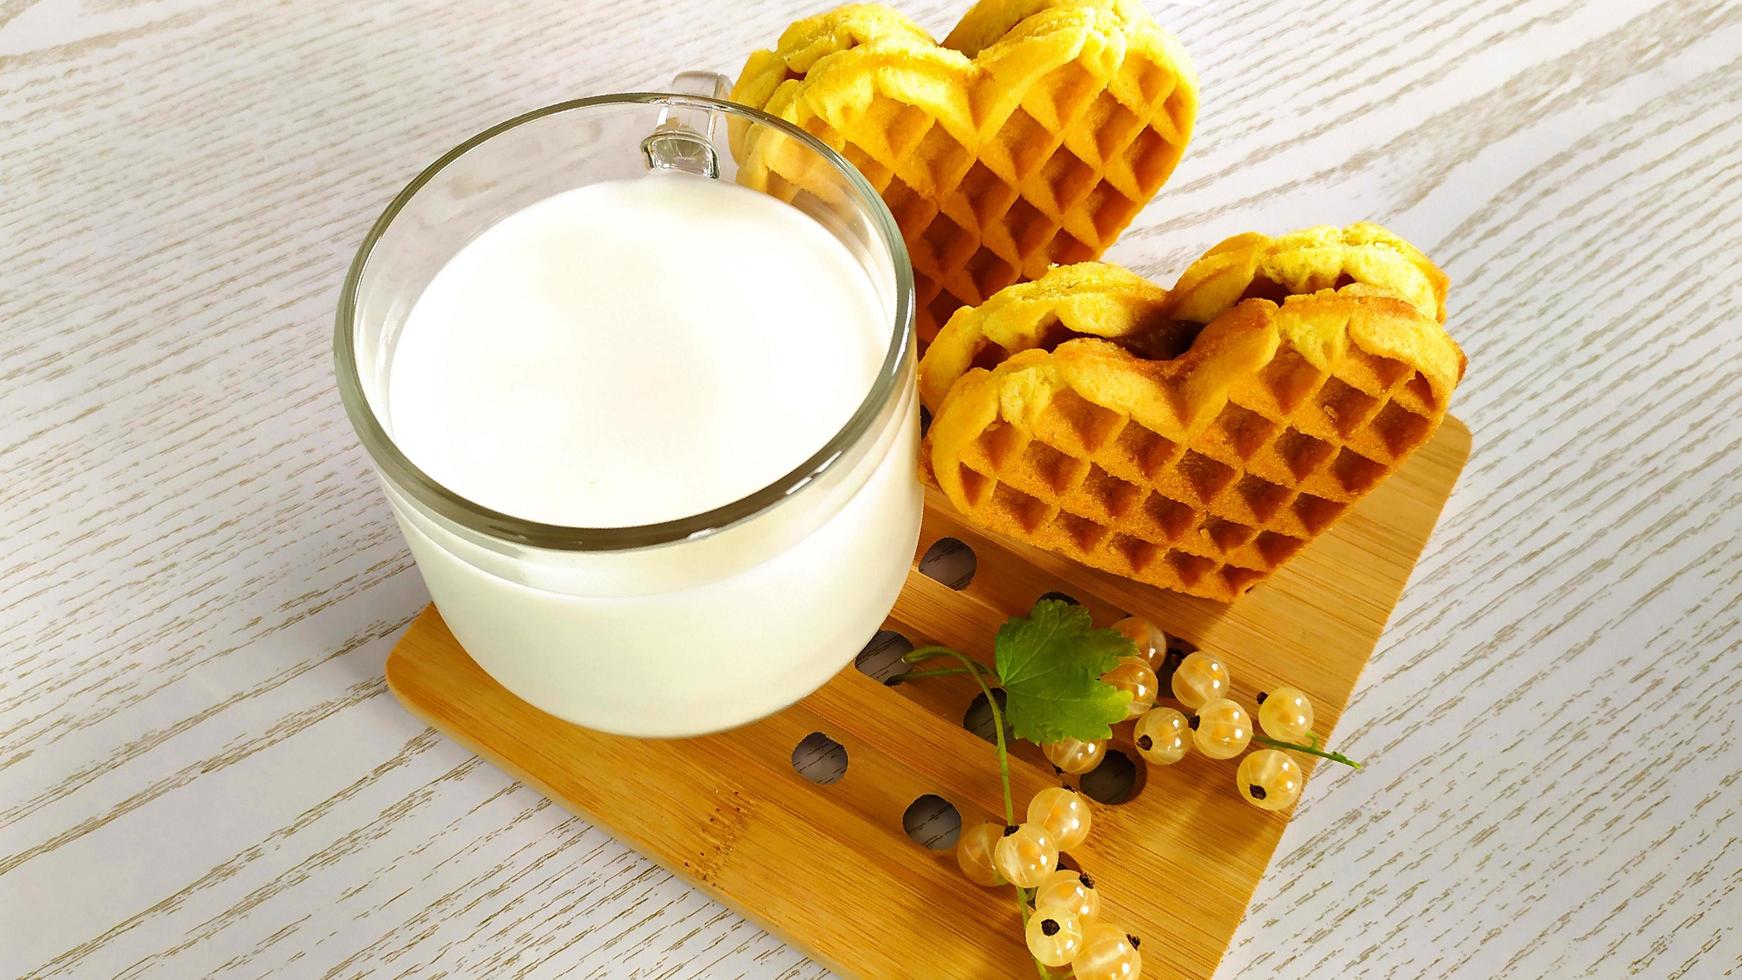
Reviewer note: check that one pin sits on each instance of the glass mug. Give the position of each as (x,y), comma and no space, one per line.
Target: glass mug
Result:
(690,625)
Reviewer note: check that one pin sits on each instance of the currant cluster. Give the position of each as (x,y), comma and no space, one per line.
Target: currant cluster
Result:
(1218,727)
(1038,663)
(1063,928)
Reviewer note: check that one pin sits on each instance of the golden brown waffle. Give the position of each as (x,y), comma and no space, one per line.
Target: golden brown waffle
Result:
(1306,261)
(1099,300)
(1089,299)
(1201,472)
(1031,136)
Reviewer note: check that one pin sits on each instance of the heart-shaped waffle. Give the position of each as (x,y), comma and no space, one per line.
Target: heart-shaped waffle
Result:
(1030,137)
(1196,457)
(1107,301)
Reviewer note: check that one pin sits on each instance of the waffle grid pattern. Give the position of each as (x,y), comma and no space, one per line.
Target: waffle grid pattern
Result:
(1290,450)
(1053,180)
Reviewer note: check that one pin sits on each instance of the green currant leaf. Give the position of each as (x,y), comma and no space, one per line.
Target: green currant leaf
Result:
(1050,663)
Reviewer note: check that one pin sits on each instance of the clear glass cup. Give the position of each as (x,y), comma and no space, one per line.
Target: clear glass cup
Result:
(691,625)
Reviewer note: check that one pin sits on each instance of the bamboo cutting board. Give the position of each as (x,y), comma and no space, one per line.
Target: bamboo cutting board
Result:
(832,866)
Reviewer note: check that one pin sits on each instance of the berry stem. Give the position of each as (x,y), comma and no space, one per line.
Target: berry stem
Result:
(975,669)
(1023,895)
(979,671)
(939,672)
(1308,749)
(920,655)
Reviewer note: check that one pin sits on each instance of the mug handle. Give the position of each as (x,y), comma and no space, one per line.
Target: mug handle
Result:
(683,139)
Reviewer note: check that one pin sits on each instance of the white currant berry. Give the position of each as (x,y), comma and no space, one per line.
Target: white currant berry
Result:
(1133,676)
(1285,714)
(1055,937)
(1063,812)
(1199,679)
(1074,756)
(1269,779)
(974,854)
(1069,891)
(1025,855)
(1151,642)
(1107,954)
(1162,736)
(1221,729)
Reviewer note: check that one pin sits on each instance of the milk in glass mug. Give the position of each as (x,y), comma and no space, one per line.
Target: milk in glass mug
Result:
(643,405)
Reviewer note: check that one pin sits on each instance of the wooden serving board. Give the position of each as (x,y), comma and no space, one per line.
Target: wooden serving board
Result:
(831,868)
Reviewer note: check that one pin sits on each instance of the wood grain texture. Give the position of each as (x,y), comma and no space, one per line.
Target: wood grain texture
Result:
(201,772)
(832,867)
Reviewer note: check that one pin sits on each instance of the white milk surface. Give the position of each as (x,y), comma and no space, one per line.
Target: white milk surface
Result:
(633,352)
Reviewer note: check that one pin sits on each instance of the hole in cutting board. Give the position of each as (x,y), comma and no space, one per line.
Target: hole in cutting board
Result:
(1060,596)
(933,822)
(820,759)
(978,717)
(1118,779)
(881,658)
(950,561)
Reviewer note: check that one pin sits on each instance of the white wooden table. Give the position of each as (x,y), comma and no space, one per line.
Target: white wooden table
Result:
(201,771)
